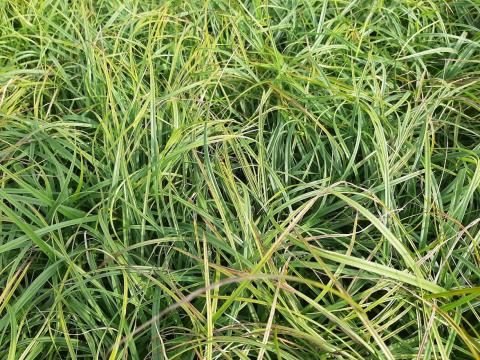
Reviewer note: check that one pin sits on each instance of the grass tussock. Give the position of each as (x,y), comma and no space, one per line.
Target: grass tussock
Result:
(239,179)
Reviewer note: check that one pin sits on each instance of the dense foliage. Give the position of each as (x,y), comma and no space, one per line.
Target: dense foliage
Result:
(223,179)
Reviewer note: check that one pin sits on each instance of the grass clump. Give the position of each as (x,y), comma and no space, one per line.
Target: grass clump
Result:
(239,179)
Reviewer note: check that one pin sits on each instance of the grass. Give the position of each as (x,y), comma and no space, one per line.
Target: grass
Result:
(227,179)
